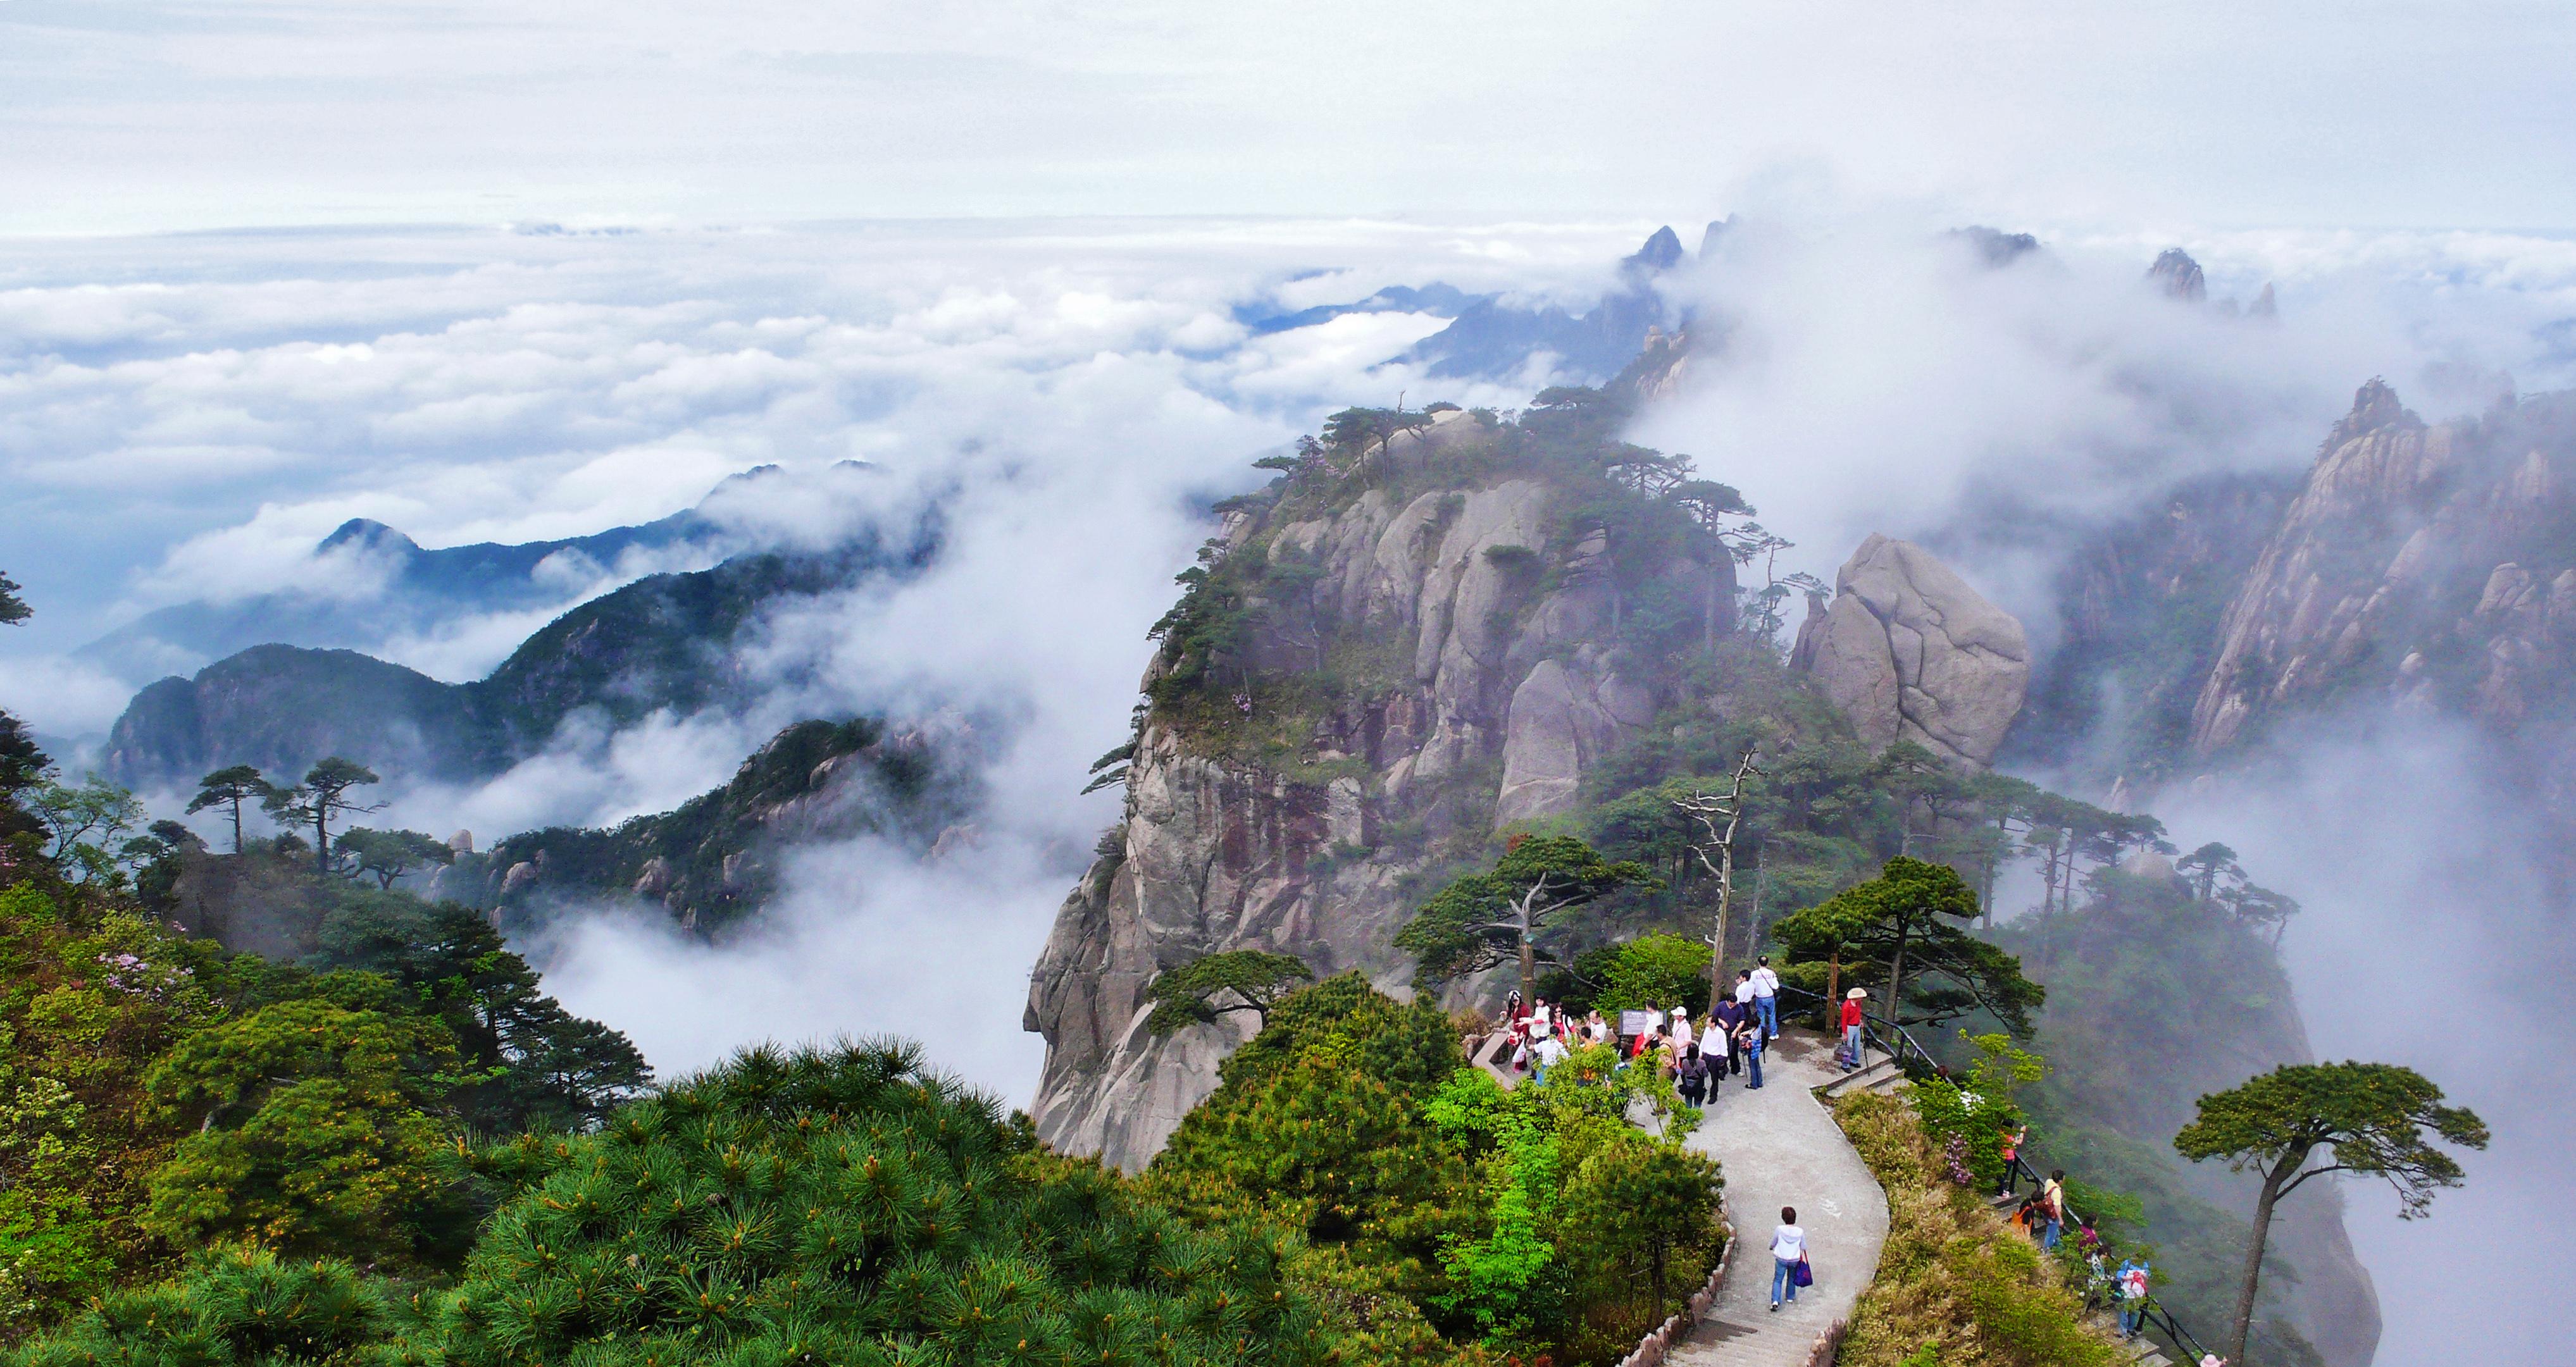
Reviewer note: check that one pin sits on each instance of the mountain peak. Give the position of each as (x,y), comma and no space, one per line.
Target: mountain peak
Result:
(1662,252)
(2374,406)
(2178,276)
(367,534)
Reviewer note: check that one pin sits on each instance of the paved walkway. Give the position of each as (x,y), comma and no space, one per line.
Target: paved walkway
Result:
(1781,1148)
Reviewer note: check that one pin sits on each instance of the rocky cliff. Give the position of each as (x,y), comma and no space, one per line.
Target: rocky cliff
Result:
(1908,651)
(2431,565)
(1414,659)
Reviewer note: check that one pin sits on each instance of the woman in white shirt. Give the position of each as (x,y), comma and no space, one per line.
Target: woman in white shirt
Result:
(1788,1249)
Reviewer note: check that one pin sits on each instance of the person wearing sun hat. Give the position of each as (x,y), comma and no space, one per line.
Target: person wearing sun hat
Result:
(1850,1054)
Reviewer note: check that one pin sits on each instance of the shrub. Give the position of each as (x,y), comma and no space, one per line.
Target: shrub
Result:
(1954,1285)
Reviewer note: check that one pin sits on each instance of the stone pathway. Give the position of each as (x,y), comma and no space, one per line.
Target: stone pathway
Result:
(1780,1148)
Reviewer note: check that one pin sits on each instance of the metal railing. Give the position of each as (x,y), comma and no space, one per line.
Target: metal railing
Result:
(1911,1058)
(2154,1315)
(1897,1042)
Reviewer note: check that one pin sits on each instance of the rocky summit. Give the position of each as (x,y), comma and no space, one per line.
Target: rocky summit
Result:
(1452,638)
(1908,651)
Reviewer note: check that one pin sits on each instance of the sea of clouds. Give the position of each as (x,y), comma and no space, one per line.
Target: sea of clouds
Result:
(188,416)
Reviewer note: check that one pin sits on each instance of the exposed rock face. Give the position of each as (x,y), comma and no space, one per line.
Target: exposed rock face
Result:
(1908,651)
(2427,562)
(1496,621)
(2177,276)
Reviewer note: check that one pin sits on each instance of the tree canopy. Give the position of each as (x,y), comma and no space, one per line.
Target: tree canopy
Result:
(1212,985)
(231,787)
(831,1205)
(322,798)
(2366,1119)
(1486,919)
(1904,932)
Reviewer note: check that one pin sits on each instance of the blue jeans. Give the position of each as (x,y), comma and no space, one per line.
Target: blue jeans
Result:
(1753,1061)
(1768,1008)
(1851,1046)
(2132,1320)
(2049,1235)
(1782,1274)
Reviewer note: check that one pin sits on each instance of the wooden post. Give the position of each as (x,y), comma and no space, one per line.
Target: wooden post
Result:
(1834,990)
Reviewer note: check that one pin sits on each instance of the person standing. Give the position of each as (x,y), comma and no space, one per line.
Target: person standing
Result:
(1683,1038)
(1693,1076)
(1750,1040)
(2013,1139)
(1766,996)
(1545,1054)
(1724,1019)
(1852,1037)
(2052,1210)
(1788,1249)
(2131,1284)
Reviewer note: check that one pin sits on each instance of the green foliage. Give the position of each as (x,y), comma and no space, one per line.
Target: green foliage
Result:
(1953,1284)
(312,1133)
(1485,919)
(2368,1118)
(232,787)
(321,799)
(1211,985)
(1907,927)
(13,609)
(2145,970)
(388,855)
(1440,1207)
(1658,970)
(230,1308)
(525,1062)
(85,824)
(832,1205)
(843,1203)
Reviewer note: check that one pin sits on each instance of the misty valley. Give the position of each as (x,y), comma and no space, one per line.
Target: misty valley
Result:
(2104,874)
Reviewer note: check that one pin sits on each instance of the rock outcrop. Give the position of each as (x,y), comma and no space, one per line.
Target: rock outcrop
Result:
(1908,651)
(1493,616)
(2427,562)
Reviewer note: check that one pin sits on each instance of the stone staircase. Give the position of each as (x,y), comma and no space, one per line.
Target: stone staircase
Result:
(1878,1073)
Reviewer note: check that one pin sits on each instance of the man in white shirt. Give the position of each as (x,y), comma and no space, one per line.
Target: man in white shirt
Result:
(1545,1055)
(1766,997)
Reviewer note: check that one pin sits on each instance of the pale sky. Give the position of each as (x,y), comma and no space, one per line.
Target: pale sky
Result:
(160,115)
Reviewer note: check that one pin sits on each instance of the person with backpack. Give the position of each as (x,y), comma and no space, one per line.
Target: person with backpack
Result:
(2131,1284)
(2052,1208)
(1691,1079)
(1788,1254)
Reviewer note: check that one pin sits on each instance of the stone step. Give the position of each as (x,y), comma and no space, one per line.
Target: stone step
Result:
(1880,1068)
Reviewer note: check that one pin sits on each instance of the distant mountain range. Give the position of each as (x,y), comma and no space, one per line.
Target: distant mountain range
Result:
(1493,336)
(384,586)
(662,642)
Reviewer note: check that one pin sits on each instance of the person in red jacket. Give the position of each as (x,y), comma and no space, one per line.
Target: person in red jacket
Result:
(1850,1054)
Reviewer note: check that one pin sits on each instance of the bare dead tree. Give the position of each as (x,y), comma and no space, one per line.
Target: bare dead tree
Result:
(1717,816)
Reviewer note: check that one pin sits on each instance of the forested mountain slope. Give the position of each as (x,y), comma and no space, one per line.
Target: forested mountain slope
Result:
(667,641)
(1435,632)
